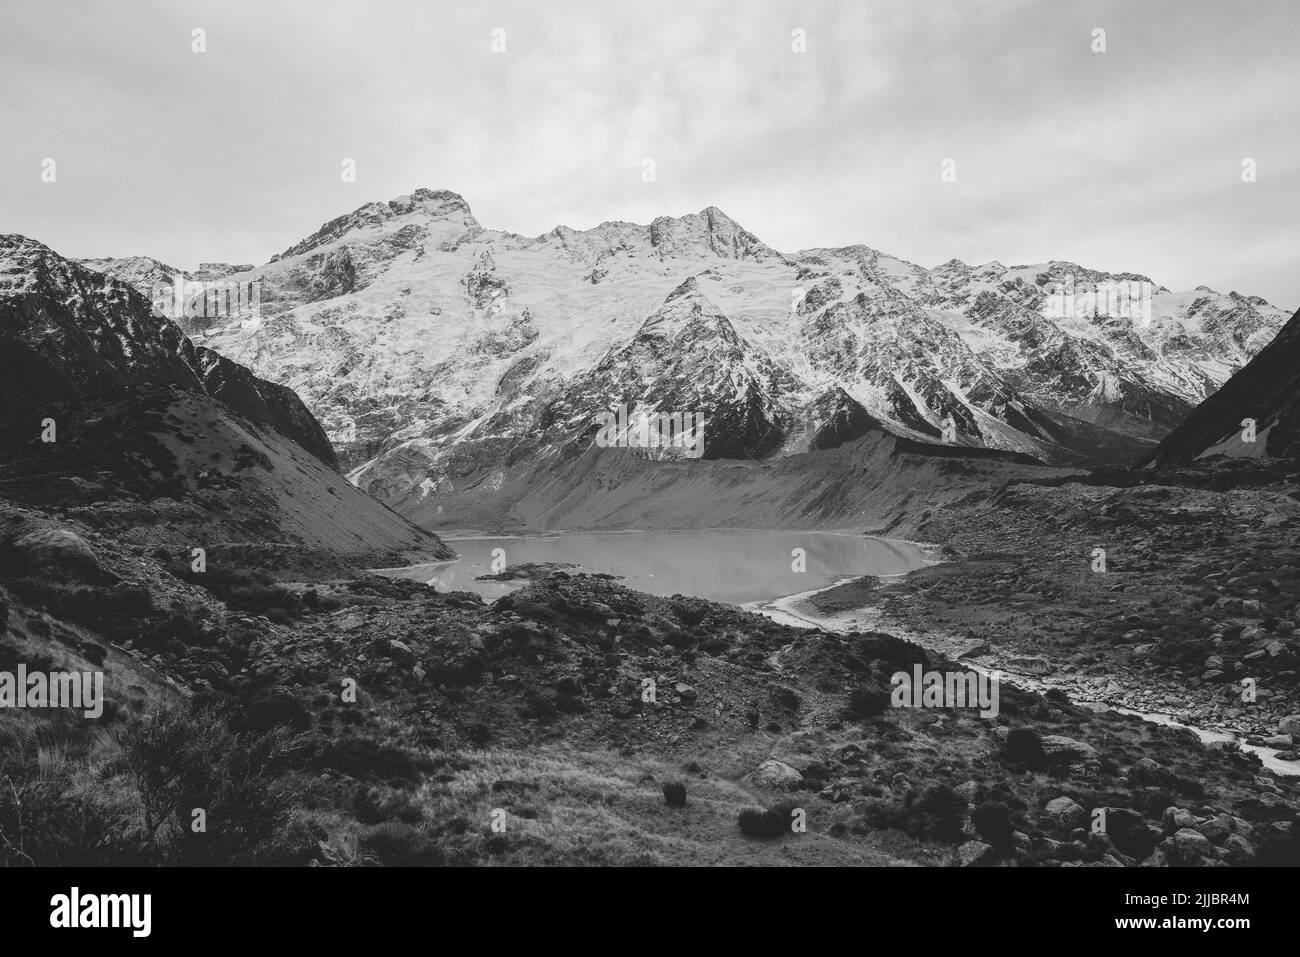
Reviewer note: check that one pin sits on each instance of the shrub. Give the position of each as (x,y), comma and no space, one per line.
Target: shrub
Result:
(173,628)
(1025,747)
(936,812)
(101,608)
(675,793)
(186,758)
(52,826)
(539,706)
(992,822)
(258,598)
(94,653)
(396,844)
(369,760)
(867,702)
(262,713)
(370,806)
(762,823)
(251,591)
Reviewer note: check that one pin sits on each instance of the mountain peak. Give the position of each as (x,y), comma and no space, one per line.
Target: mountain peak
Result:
(688,308)
(689,286)
(710,231)
(13,245)
(26,264)
(436,202)
(432,204)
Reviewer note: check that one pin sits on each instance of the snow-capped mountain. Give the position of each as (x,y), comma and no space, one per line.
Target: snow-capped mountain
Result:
(110,410)
(1256,413)
(440,354)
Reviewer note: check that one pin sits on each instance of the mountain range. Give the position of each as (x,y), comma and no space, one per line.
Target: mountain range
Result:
(455,365)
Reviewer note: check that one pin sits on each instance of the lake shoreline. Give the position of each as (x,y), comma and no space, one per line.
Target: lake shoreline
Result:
(729,565)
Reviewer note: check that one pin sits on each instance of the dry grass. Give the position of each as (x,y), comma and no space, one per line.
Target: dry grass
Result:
(567,808)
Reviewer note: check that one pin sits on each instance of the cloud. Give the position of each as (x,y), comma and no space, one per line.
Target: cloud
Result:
(1128,159)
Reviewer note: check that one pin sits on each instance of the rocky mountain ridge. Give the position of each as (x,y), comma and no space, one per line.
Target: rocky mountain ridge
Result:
(1256,414)
(441,355)
(110,412)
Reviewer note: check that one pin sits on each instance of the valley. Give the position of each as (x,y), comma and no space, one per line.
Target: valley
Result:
(350,679)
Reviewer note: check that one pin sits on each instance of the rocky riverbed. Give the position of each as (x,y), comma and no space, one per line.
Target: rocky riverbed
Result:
(1194,613)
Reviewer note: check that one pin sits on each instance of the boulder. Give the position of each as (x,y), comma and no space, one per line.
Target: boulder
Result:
(1030,665)
(1147,771)
(1063,750)
(1066,811)
(1129,832)
(1192,845)
(776,774)
(1238,850)
(977,854)
(56,552)
(1217,829)
(1177,818)
(968,791)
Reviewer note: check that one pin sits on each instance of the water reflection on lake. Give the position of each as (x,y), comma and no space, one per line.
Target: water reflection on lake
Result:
(726,566)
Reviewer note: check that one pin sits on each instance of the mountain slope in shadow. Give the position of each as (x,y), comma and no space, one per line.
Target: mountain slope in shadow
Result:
(1267,390)
(108,413)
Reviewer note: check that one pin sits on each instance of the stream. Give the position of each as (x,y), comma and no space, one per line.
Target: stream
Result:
(783,610)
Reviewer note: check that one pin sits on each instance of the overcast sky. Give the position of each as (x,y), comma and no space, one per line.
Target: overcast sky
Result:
(1129,159)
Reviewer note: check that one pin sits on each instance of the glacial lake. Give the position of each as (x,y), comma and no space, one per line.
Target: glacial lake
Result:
(730,566)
